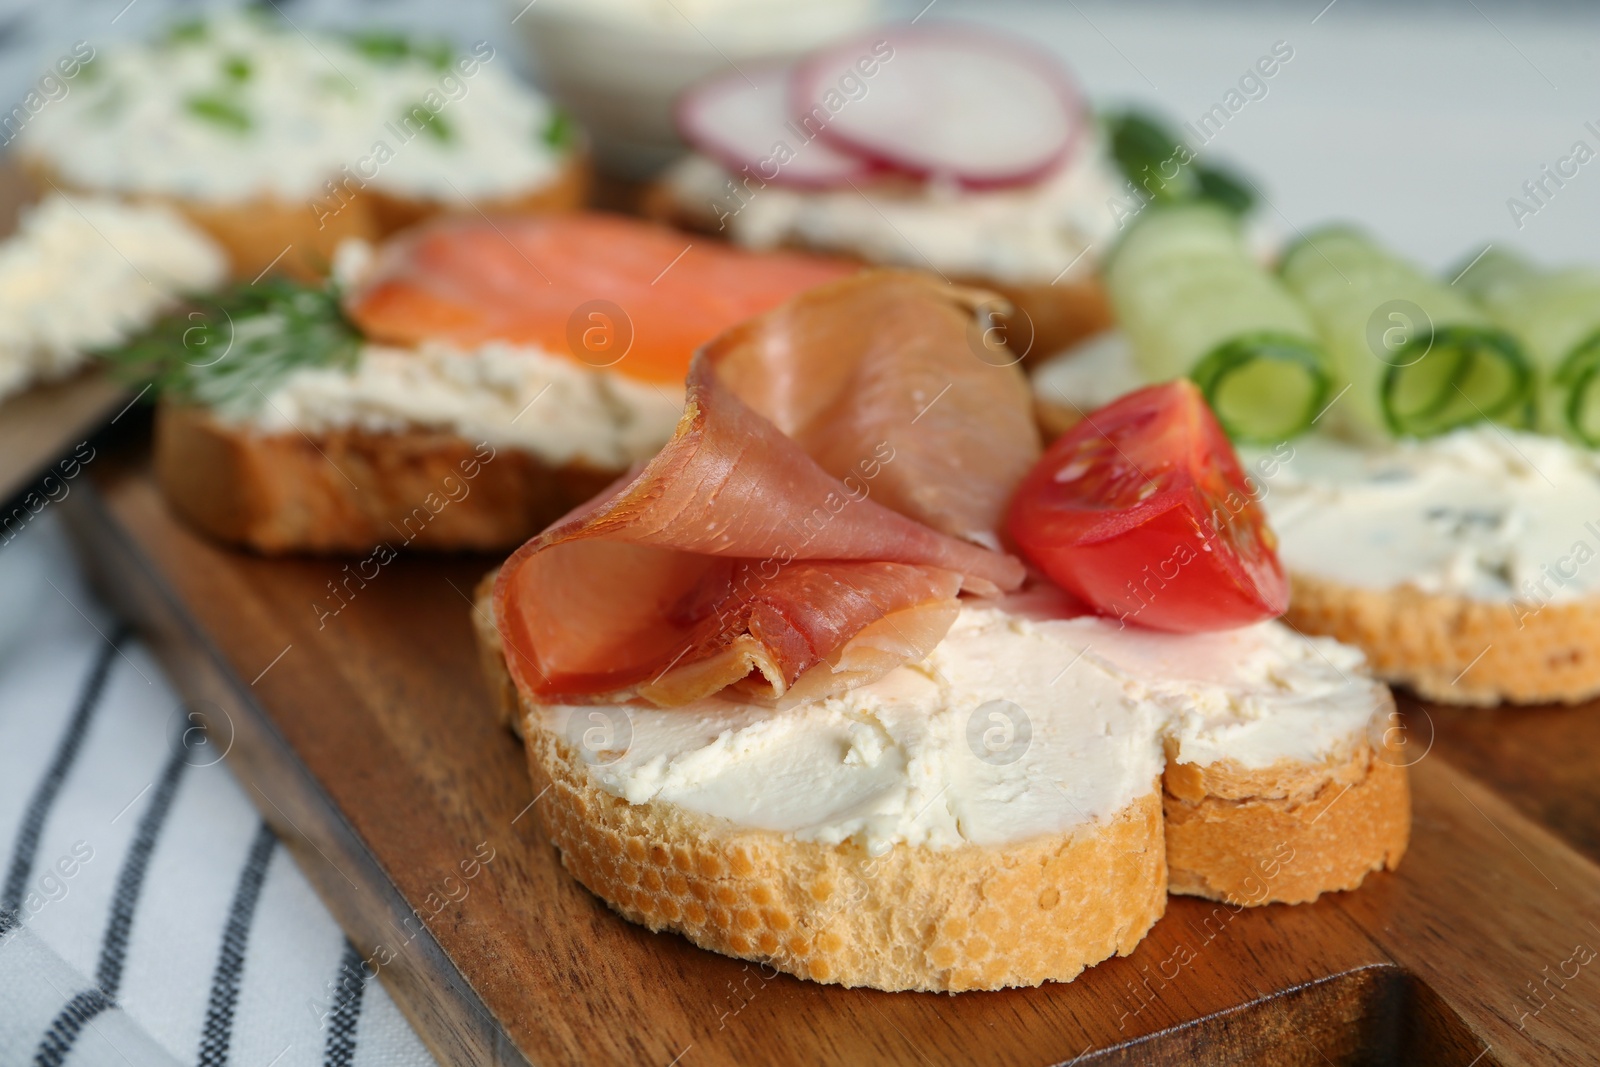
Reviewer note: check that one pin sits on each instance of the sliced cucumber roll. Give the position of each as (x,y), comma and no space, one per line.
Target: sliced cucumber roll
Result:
(1420,357)
(1555,314)
(1194,304)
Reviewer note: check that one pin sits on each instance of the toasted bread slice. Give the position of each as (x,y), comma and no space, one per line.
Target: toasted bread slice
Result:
(971,917)
(353,490)
(1048,318)
(297,239)
(1455,650)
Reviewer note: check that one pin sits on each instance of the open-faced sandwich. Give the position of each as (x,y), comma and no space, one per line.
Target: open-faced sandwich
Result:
(1423,455)
(281,143)
(85,273)
(948,149)
(783,691)
(460,388)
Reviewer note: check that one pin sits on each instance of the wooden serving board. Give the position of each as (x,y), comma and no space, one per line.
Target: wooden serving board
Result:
(369,744)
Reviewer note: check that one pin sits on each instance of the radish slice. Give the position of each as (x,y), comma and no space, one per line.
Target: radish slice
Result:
(741,126)
(957,103)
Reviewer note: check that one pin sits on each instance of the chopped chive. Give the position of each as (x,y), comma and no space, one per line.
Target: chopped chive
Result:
(220,111)
(559,131)
(237,68)
(189,31)
(431,122)
(440,54)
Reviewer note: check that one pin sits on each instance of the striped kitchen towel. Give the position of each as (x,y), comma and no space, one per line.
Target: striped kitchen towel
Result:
(147,914)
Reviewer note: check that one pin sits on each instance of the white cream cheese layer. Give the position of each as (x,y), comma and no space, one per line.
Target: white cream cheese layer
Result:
(1091,374)
(1034,234)
(86,273)
(245,106)
(1482,512)
(1017,725)
(511,396)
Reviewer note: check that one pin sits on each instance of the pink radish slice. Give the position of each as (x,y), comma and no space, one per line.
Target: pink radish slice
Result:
(959,103)
(741,126)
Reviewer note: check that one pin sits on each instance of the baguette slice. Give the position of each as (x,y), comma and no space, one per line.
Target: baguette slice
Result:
(353,490)
(1448,649)
(971,917)
(1054,316)
(297,239)
(1455,650)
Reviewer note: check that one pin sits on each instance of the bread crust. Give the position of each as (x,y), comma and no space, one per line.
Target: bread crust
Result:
(1056,316)
(1286,833)
(296,239)
(970,917)
(1455,650)
(353,490)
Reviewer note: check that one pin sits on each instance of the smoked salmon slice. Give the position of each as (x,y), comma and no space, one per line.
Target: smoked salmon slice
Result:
(808,527)
(609,291)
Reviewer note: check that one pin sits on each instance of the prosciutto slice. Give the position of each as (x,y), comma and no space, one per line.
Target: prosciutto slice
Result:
(808,527)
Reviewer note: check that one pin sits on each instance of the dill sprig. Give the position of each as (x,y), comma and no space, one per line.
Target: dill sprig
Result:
(229,352)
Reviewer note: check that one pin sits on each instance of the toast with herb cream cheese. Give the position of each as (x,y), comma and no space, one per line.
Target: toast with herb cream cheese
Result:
(545,353)
(280,144)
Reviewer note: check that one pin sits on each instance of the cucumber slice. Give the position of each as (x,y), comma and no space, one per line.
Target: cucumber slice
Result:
(1420,357)
(1556,317)
(1193,303)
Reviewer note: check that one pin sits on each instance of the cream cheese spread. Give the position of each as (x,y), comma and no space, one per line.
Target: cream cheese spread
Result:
(243,106)
(1089,375)
(86,273)
(1483,512)
(1019,724)
(512,396)
(1033,234)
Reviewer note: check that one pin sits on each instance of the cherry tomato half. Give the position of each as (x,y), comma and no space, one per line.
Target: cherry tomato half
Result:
(1143,511)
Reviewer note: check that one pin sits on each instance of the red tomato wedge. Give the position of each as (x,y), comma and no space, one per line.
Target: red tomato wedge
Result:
(1143,511)
(608,291)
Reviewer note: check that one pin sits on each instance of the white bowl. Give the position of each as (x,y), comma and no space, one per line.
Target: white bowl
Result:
(619,65)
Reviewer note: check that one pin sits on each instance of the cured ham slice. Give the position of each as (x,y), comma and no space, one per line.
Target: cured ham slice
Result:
(609,291)
(780,541)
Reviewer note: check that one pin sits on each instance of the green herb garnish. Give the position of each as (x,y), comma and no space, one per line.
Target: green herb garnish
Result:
(189,31)
(438,54)
(382,46)
(220,111)
(1157,161)
(230,352)
(386,46)
(560,131)
(237,68)
(432,123)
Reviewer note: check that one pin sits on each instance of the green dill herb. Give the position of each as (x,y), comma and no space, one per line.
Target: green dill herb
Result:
(438,54)
(389,47)
(432,123)
(220,111)
(237,69)
(89,71)
(189,31)
(560,131)
(382,46)
(230,352)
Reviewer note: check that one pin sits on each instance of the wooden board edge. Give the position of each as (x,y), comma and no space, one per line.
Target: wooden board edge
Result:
(323,843)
